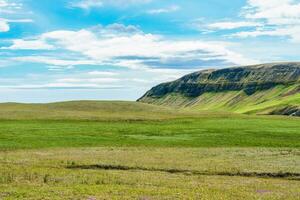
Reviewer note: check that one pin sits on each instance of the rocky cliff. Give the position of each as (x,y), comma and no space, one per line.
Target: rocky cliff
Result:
(241,82)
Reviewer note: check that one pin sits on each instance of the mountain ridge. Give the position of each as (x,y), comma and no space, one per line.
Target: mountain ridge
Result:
(279,82)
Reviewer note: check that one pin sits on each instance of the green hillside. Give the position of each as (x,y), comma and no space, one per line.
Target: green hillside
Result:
(272,101)
(260,89)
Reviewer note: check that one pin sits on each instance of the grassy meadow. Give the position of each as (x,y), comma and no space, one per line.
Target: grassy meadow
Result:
(125,150)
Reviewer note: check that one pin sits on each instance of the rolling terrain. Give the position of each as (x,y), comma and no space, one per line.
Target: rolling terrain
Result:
(130,150)
(85,110)
(259,89)
(104,123)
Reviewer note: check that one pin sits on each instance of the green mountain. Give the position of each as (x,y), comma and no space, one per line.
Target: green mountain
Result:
(261,89)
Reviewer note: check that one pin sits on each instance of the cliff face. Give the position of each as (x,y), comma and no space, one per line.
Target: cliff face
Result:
(247,80)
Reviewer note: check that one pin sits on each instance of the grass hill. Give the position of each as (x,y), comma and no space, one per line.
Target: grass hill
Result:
(104,123)
(86,110)
(263,89)
(132,150)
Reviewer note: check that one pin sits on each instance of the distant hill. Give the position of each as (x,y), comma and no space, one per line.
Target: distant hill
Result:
(262,89)
(86,110)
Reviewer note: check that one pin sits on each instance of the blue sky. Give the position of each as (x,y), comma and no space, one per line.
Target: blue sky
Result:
(57,50)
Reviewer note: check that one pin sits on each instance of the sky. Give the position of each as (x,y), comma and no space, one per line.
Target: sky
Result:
(60,50)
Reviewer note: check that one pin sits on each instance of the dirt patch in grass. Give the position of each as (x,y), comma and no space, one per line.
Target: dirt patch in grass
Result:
(286,175)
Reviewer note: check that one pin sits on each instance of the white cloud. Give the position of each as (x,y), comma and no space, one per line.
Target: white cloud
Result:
(102,73)
(131,49)
(292,32)
(4,23)
(275,12)
(233,25)
(59,68)
(109,31)
(138,79)
(164,75)
(4,26)
(62,86)
(18,20)
(9,5)
(135,46)
(8,8)
(88,4)
(30,44)
(281,18)
(53,61)
(272,9)
(3,3)
(172,8)
(88,80)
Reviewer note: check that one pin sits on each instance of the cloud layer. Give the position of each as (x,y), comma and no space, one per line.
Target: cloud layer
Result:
(4,26)
(280,18)
(64,48)
(126,46)
(135,59)
(172,8)
(7,9)
(88,4)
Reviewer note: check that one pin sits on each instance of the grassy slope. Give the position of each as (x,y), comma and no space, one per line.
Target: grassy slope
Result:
(262,102)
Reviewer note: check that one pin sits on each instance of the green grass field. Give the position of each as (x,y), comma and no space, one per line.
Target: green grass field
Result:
(125,150)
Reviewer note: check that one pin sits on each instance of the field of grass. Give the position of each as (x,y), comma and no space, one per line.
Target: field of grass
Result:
(150,173)
(125,150)
(189,132)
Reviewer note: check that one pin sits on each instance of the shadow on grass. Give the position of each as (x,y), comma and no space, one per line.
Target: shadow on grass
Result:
(283,175)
